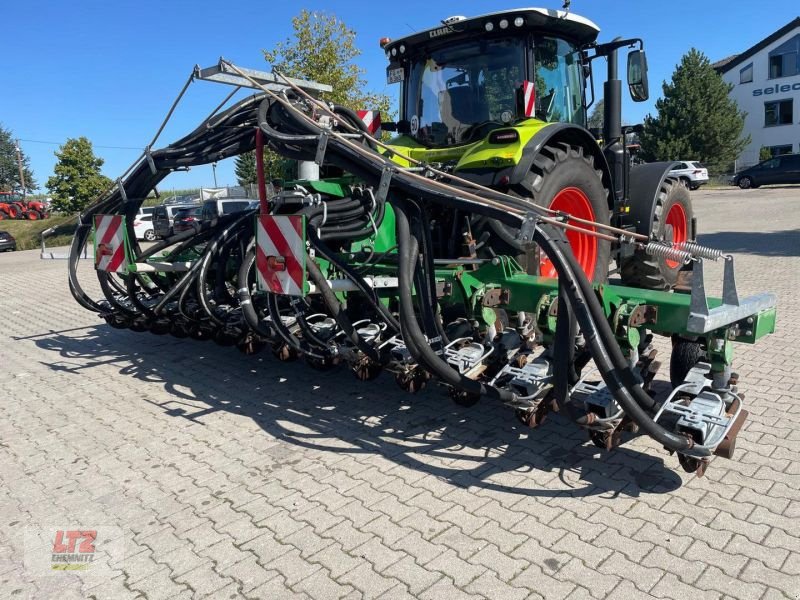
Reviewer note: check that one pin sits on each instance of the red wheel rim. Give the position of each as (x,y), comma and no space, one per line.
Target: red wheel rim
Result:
(32,216)
(573,201)
(676,218)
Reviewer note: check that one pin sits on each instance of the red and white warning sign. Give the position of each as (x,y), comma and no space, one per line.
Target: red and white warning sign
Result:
(281,254)
(372,119)
(109,243)
(528,98)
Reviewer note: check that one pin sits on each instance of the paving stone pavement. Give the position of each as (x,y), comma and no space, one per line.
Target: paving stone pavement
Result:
(229,476)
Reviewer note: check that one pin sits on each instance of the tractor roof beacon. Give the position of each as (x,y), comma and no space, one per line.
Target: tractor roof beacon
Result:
(471,248)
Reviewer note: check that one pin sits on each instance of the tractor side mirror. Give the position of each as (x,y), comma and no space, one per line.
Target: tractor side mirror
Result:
(637,76)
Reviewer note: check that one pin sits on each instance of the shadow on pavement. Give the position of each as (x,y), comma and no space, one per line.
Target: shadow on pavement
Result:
(765,243)
(333,412)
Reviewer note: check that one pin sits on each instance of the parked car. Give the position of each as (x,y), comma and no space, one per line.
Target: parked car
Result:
(143,227)
(778,169)
(213,209)
(186,219)
(7,242)
(691,173)
(163,217)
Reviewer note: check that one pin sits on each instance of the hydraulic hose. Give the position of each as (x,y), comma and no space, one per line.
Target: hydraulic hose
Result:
(245,299)
(597,334)
(418,345)
(337,311)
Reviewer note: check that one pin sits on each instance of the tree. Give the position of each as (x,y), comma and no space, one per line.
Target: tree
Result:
(323,49)
(76,179)
(245,168)
(275,167)
(596,119)
(764,153)
(9,167)
(696,118)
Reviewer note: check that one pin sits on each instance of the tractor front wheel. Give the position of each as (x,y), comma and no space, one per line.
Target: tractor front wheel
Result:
(565,178)
(671,222)
(34,215)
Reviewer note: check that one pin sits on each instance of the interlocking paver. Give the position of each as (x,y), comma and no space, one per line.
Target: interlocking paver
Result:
(264,479)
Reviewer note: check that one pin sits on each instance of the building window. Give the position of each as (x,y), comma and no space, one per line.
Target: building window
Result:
(746,74)
(778,113)
(779,150)
(784,61)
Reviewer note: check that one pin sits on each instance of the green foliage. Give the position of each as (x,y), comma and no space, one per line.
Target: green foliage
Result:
(76,179)
(764,154)
(245,168)
(275,167)
(9,167)
(29,233)
(322,49)
(696,119)
(597,118)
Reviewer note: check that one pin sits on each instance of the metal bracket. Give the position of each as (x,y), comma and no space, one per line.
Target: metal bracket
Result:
(322,146)
(149,157)
(703,320)
(527,228)
(385,183)
(644,313)
(122,190)
(496,297)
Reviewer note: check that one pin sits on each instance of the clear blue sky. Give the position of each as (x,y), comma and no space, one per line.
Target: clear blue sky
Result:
(110,70)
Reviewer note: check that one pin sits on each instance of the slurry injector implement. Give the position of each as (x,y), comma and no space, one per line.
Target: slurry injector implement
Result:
(472,249)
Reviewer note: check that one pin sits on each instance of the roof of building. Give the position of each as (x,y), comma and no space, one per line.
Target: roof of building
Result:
(721,63)
(726,64)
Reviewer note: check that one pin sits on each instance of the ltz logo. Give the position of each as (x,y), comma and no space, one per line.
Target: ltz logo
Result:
(73,550)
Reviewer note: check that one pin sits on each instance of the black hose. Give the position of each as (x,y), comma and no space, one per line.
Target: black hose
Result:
(597,335)
(336,309)
(413,336)
(245,299)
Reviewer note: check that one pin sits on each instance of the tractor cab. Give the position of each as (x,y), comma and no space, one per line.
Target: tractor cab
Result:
(463,80)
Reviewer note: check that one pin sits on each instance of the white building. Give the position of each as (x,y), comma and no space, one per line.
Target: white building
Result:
(766,85)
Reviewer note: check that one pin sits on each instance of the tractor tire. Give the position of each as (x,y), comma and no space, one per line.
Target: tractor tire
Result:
(12,212)
(672,221)
(3,215)
(566,179)
(685,355)
(34,215)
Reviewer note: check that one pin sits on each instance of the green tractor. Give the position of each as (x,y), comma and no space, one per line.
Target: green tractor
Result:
(502,99)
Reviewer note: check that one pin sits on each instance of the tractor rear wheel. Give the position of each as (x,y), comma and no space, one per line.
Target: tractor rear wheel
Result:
(12,212)
(671,221)
(565,178)
(33,214)
(3,215)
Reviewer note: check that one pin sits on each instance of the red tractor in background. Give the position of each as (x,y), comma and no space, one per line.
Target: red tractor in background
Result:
(14,206)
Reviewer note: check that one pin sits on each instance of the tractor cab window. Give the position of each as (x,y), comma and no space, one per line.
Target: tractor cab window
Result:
(559,82)
(458,94)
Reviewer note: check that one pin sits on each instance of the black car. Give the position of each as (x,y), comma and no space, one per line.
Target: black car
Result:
(163,215)
(779,169)
(186,219)
(7,242)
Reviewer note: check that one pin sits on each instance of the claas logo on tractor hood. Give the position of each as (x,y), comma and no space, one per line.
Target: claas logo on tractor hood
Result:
(441,31)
